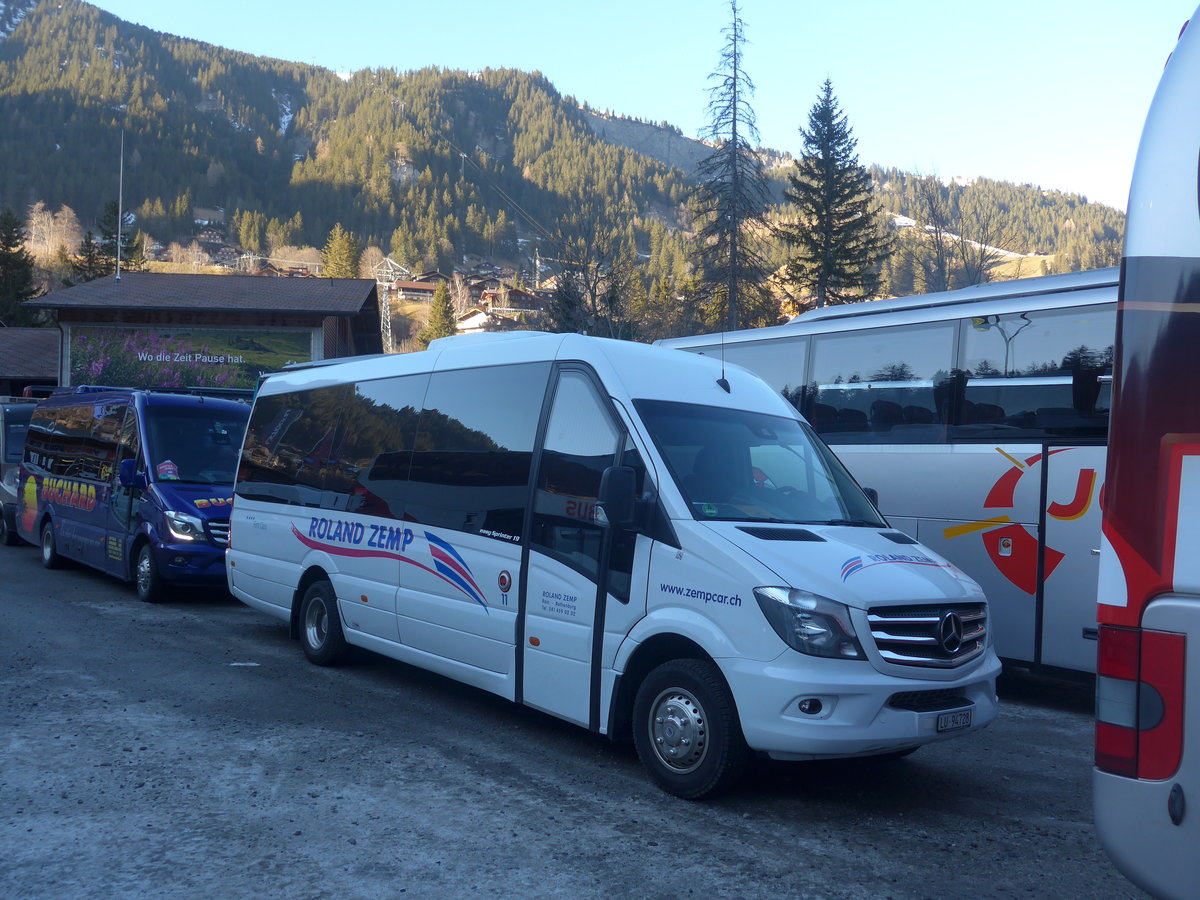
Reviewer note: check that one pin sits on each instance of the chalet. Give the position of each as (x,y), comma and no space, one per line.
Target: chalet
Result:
(476,319)
(409,291)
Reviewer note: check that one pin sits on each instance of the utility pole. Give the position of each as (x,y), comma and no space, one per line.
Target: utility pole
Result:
(120,196)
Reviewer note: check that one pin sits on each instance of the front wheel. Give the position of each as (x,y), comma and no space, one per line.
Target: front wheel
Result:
(321,626)
(686,729)
(149,583)
(50,557)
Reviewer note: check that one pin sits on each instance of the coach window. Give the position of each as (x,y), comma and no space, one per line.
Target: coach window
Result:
(1037,375)
(882,385)
(581,442)
(100,456)
(780,363)
(474,445)
(381,431)
(288,437)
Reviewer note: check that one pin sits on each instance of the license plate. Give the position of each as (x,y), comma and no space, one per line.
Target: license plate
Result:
(952,721)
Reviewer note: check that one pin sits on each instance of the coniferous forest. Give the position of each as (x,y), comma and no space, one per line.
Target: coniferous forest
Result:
(429,166)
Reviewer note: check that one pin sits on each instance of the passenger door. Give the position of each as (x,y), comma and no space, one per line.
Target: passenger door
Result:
(1071,563)
(123,501)
(579,571)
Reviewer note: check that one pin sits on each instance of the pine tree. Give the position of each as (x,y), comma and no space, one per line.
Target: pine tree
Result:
(340,256)
(91,264)
(838,242)
(16,271)
(441,316)
(733,193)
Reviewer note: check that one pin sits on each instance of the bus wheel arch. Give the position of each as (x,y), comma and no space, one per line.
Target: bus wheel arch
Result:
(687,730)
(51,558)
(652,653)
(147,580)
(310,575)
(318,623)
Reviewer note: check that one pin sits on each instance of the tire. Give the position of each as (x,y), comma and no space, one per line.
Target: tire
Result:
(686,729)
(50,556)
(8,534)
(149,584)
(320,626)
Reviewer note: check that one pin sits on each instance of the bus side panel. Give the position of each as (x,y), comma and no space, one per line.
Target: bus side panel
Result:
(263,565)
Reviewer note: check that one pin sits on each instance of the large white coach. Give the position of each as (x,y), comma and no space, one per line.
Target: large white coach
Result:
(633,539)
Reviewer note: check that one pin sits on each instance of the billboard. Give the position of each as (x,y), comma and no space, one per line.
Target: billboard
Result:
(181,357)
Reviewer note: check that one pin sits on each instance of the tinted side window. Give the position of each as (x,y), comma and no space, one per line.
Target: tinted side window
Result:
(581,442)
(75,441)
(882,385)
(474,445)
(344,447)
(780,363)
(1036,375)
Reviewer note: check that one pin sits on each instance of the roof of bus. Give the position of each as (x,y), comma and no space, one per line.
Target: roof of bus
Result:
(87,394)
(1067,289)
(643,370)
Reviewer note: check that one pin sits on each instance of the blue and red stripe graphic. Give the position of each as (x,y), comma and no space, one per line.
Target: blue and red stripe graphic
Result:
(448,564)
(453,568)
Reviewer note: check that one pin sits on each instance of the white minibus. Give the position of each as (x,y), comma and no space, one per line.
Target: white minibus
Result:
(633,539)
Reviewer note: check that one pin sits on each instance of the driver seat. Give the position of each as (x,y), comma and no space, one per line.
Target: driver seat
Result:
(714,477)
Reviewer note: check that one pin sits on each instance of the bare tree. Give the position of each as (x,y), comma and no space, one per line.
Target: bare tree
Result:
(597,271)
(983,232)
(370,258)
(48,232)
(933,269)
(460,294)
(732,199)
(965,233)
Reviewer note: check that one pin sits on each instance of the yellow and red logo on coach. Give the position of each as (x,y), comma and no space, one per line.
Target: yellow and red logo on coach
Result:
(68,492)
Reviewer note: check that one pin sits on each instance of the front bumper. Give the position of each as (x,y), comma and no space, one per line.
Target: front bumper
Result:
(862,712)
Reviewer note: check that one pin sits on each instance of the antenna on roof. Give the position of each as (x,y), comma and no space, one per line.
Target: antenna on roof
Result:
(120,193)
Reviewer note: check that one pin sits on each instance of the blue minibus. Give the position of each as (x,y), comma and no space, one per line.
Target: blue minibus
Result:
(134,483)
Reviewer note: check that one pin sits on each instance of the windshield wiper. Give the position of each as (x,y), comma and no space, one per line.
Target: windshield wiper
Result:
(854,523)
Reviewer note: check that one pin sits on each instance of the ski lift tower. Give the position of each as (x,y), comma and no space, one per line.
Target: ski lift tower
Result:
(387,272)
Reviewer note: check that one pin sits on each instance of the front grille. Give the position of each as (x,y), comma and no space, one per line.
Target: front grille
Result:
(218,531)
(928,701)
(939,636)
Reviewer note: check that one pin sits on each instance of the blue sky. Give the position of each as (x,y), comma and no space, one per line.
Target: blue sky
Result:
(1047,92)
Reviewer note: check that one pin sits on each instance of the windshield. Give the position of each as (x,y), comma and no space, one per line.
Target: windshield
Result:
(194,443)
(736,465)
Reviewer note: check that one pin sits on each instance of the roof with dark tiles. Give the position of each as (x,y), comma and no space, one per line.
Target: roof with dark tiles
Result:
(29,352)
(219,293)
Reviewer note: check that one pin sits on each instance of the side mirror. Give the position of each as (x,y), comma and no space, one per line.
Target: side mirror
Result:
(129,476)
(617,496)
(873,496)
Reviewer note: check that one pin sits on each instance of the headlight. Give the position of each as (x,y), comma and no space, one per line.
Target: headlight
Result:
(184,527)
(810,623)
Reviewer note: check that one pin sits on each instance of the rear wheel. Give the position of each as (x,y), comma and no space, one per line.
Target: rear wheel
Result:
(686,729)
(50,557)
(321,626)
(8,534)
(149,584)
